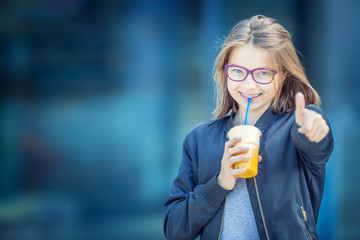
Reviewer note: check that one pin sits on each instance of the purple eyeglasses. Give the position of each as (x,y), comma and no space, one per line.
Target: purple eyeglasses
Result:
(260,75)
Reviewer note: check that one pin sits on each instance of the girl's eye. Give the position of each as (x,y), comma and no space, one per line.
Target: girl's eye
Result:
(238,71)
(263,73)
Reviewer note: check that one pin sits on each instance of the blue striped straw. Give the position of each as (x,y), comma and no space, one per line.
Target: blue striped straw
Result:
(247,111)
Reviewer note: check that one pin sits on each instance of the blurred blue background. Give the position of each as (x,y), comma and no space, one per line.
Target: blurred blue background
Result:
(97,97)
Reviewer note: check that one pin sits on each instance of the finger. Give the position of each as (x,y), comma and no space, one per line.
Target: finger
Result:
(299,103)
(232,142)
(305,130)
(308,125)
(260,158)
(238,150)
(238,171)
(319,125)
(312,133)
(302,130)
(239,158)
(311,120)
(320,136)
(324,131)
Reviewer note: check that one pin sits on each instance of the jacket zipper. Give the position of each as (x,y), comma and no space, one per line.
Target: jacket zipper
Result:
(261,211)
(222,220)
(305,219)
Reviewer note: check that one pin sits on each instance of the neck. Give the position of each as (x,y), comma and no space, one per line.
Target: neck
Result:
(252,118)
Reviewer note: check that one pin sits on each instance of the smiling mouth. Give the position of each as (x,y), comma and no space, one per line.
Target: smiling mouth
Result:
(250,96)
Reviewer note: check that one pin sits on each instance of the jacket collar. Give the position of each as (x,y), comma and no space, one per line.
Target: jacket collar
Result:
(265,120)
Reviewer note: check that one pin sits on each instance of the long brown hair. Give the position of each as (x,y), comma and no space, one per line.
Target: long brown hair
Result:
(265,33)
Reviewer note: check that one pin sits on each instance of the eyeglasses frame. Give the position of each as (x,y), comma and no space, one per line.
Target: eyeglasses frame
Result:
(248,71)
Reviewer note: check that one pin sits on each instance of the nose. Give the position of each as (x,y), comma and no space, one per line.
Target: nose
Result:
(249,82)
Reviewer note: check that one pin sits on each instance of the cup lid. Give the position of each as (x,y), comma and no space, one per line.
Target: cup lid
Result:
(248,133)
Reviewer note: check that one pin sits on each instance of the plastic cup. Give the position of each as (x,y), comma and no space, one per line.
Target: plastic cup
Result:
(250,138)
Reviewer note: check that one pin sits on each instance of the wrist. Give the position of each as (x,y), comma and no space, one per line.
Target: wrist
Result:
(220,182)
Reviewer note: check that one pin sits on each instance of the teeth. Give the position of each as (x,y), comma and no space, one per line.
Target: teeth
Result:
(250,96)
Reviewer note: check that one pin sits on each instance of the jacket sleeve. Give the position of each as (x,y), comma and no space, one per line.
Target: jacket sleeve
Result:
(190,206)
(314,155)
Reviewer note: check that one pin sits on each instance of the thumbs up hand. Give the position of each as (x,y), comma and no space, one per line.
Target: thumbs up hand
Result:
(311,123)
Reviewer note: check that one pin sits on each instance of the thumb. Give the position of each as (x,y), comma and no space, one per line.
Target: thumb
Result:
(299,103)
(299,108)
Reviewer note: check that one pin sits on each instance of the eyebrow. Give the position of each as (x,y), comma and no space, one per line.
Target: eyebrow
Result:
(246,67)
(266,66)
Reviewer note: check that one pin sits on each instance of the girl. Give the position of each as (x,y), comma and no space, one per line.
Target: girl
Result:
(257,61)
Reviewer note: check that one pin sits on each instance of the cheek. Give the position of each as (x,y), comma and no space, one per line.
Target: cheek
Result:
(270,90)
(230,85)
(231,88)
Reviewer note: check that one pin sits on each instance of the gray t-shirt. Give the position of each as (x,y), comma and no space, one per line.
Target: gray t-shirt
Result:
(239,221)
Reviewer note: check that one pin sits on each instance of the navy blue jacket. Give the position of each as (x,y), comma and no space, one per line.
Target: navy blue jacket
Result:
(285,195)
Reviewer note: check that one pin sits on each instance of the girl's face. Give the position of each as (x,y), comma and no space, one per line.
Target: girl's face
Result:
(250,58)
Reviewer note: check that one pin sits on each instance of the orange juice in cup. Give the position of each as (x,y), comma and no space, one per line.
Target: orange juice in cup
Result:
(250,138)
